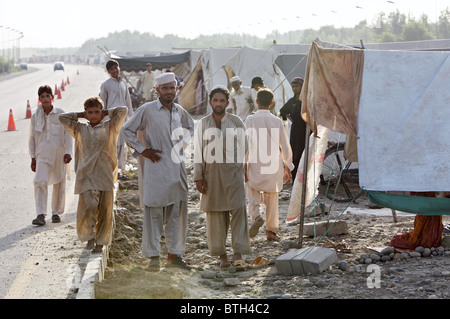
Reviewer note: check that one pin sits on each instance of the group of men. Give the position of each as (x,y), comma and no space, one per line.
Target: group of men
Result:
(159,132)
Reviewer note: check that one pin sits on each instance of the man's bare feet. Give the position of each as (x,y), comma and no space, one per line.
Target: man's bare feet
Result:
(90,244)
(224,263)
(98,249)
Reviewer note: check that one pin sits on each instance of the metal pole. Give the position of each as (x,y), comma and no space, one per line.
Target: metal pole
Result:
(305,179)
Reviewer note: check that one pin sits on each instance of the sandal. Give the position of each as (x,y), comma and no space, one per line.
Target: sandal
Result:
(56,218)
(178,263)
(39,221)
(256,226)
(153,265)
(259,262)
(240,264)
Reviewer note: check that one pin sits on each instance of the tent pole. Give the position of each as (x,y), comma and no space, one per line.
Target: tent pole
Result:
(305,178)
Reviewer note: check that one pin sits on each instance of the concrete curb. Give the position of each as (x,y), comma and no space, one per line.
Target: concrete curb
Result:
(94,272)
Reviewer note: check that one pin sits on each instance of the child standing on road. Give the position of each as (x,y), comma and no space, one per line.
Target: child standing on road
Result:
(50,149)
(95,168)
(269,149)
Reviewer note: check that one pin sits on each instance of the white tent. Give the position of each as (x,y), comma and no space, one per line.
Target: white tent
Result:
(220,64)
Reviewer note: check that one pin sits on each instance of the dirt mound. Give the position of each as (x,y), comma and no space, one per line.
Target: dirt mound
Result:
(368,229)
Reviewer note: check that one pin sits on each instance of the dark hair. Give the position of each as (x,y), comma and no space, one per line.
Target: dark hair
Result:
(111,63)
(257,80)
(220,90)
(93,102)
(264,96)
(45,89)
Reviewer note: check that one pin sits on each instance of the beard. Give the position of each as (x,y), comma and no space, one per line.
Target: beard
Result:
(219,112)
(169,98)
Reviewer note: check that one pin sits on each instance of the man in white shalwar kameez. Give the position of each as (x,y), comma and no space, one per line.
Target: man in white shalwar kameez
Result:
(220,148)
(114,92)
(50,148)
(241,99)
(269,151)
(162,126)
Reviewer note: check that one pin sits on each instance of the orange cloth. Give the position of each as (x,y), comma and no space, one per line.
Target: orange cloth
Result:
(427,230)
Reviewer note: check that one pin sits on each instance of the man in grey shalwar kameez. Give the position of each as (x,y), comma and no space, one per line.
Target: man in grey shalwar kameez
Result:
(220,149)
(161,125)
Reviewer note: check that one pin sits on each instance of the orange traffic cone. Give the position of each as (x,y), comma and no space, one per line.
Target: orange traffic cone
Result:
(11,125)
(56,90)
(62,86)
(68,82)
(28,116)
(59,95)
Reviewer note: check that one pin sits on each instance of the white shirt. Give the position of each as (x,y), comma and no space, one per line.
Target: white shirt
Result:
(164,182)
(265,160)
(49,145)
(241,99)
(115,93)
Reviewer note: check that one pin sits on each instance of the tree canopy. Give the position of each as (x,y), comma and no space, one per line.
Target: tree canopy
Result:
(392,27)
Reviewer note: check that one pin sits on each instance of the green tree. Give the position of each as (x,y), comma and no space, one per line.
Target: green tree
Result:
(396,22)
(444,24)
(415,31)
(387,37)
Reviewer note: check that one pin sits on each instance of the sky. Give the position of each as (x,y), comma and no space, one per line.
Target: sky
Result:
(69,23)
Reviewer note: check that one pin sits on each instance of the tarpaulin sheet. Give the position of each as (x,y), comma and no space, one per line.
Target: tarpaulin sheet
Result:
(403,126)
(420,205)
(332,88)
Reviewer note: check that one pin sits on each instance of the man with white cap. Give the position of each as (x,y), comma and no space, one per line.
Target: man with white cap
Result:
(241,99)
(155,131)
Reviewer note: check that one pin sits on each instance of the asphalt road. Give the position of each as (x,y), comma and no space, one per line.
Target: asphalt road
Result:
(37,262)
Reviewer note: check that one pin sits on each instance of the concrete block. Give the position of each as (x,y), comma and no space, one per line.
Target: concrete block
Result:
(320,228)
(312,260)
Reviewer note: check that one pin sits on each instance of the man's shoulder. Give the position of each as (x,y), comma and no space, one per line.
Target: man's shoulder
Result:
(235,119)
(58,110)
(149,105)
(205,119)
(268,115)
(110,79)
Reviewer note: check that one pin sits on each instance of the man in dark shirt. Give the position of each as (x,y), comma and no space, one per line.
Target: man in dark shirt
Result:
(292,110)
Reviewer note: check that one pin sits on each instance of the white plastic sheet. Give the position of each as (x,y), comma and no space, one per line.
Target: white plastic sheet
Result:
(404,121)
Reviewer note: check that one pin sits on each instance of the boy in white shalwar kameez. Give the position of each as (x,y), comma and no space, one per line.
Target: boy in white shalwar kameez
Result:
(96,169)
(50,148)
(269,149)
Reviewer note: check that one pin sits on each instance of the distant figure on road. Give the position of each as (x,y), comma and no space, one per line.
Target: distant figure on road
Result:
(95,168)
(114,92)
(50,149)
